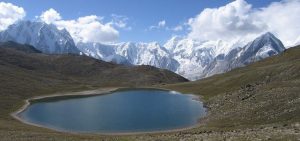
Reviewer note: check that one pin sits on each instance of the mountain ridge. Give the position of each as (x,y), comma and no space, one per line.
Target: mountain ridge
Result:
(186,57)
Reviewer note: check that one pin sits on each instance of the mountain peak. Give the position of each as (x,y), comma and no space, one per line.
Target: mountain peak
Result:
(262,47)
(44,37)
(267,39)
(267,35)
(172,43)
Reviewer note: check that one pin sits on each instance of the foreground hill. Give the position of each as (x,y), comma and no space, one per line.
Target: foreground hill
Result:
(24,69)
(259,101)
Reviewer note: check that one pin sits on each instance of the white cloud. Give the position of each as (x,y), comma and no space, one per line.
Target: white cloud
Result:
(85,29)
(178,28)
(160,25)
(228,22)
(9,14)
(282,19)
(50,16)
(120,21)
(238,20)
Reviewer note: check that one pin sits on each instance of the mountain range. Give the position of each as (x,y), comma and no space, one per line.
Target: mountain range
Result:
(186,57)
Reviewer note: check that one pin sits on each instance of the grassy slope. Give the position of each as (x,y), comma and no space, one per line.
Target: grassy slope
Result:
(265,92)
(276,69)
(257,101)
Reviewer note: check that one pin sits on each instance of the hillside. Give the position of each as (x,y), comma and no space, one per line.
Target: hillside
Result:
(22,65)
(260,96)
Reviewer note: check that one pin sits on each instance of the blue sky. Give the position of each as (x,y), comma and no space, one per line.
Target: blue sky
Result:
(142,14)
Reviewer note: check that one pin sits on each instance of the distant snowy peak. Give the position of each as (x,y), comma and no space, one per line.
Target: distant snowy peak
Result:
(131,53)
(189,58)
(172,43)
(266,39)
(194,56)
(262,47)
(179,45)
(103,52)
(46,38)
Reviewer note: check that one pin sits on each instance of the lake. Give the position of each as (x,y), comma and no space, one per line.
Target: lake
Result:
(124,111)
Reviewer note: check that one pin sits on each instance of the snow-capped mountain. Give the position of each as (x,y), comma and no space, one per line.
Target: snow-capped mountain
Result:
(44,37)
(131,53)
(189,58)
(262,47)
(103,52)
(194,56)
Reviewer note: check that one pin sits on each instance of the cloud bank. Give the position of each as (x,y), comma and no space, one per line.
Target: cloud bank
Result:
(238,20)
(9,14)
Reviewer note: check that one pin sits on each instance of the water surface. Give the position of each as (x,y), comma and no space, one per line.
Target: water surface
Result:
(140,110)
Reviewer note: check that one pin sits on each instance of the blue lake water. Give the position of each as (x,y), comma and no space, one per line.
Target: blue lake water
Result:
(136,110)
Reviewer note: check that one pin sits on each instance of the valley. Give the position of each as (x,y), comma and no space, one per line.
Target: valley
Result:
(226,70)
(256,101)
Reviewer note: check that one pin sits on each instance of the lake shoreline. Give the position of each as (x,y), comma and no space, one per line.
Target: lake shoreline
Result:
(101,91)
